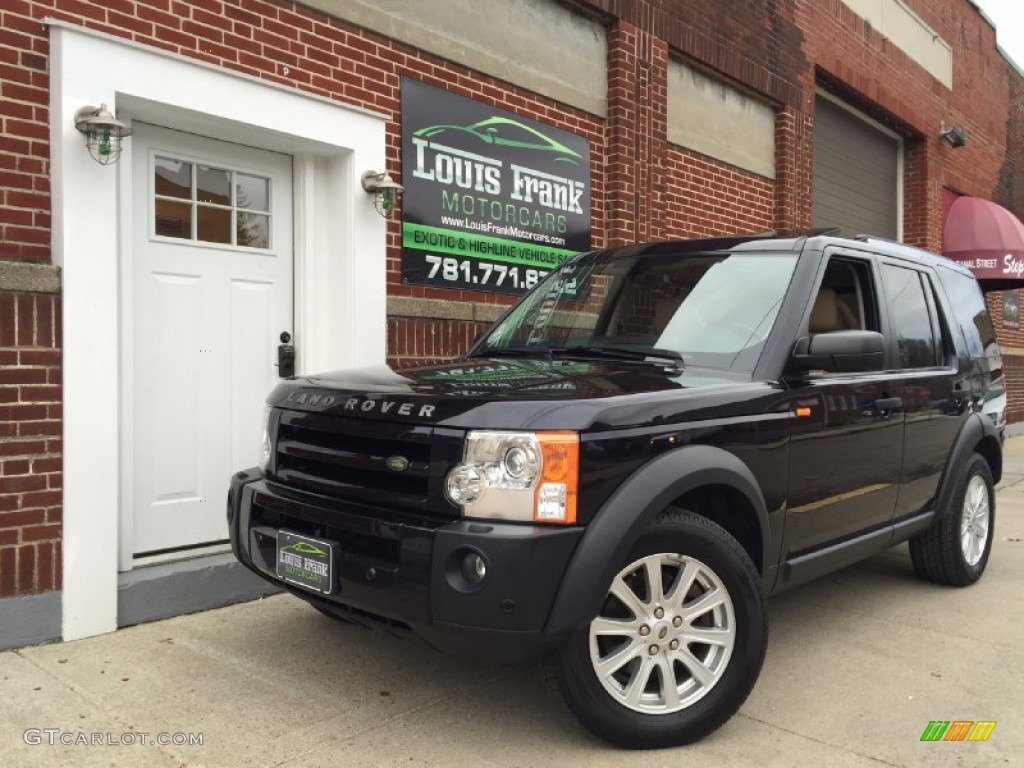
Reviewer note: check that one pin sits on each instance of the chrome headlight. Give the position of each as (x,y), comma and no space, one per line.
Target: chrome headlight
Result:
(524,476)
(265,447)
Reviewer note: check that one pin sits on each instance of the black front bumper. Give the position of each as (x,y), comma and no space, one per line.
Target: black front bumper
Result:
(402,571)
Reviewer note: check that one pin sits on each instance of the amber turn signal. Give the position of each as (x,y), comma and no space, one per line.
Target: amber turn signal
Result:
(555,500)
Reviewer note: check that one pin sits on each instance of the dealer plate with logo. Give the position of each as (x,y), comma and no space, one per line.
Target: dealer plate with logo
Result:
(305,561)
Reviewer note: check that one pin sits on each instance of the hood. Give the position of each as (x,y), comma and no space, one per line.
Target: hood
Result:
(501,393)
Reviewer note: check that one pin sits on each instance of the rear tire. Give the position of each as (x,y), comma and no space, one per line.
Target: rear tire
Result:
(678,643)
(955,549)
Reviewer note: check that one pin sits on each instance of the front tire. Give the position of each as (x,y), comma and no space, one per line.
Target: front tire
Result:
(678,643)
(955,549)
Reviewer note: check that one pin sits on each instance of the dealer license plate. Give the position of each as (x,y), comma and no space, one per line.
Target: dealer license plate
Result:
(305,561)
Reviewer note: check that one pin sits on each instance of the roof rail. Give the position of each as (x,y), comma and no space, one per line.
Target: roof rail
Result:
(875,238)
(815,232)
(905,247)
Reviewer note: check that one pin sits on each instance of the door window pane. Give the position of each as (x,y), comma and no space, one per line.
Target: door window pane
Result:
(173,178)
(213,224)
(173,219)
(213,185)
(253,230)
(909,317)
(252,192)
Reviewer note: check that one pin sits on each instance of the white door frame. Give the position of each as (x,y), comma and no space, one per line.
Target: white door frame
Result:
(340,248)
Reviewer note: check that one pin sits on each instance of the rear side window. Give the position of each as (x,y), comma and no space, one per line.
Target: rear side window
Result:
(970,312)
(910,317)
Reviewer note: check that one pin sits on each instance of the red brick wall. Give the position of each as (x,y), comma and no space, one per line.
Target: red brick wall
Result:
(794,169)
(30,443)
(1010,191)
(24,137)
(1012,344)
(750,42)
(637,126)
(416,340)
(706,199)
(922,218)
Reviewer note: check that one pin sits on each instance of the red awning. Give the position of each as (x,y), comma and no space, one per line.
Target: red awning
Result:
(986,238)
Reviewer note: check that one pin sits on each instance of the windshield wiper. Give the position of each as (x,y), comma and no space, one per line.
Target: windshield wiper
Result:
(653,355)
(638,354)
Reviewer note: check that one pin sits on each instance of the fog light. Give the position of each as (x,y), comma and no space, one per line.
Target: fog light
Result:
(474,568)
(465,484)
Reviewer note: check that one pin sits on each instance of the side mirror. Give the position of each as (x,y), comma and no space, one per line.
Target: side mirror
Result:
(840,352)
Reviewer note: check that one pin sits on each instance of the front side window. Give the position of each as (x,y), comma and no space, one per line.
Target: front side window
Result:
(909,317)
(845,300)
(714,310)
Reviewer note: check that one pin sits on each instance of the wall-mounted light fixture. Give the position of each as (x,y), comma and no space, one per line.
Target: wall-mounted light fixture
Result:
(103,133)
(385,190)
(955,135)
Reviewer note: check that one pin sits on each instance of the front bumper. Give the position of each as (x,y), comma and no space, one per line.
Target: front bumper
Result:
(401,571)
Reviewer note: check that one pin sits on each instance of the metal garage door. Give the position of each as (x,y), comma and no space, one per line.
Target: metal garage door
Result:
(856,174)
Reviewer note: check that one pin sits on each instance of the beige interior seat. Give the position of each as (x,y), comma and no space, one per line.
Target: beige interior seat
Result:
(830,314)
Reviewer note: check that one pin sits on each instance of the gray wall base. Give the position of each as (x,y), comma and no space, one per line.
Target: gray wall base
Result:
(1015,430)
(186,586)
(30,620)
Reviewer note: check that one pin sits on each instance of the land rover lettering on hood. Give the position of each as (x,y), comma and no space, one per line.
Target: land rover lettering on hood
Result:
(361,405)
(623,467)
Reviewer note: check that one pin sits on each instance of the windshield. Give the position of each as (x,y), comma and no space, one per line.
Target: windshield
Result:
(714,310)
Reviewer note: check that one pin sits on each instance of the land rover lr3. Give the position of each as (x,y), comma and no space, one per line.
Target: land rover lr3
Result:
(636,453)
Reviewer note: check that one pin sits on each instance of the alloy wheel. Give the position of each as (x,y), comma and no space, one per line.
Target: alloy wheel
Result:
(974,521)
(665,634)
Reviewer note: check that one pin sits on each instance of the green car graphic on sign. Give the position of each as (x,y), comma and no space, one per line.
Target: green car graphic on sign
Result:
(302,548)
(503,132)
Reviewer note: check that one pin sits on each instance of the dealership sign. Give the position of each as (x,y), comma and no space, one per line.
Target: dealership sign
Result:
(493,201)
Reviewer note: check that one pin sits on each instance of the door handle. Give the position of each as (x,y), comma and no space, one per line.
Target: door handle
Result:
(285,357)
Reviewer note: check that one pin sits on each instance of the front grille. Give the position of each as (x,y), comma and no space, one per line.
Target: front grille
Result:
(348,458)
(373,542)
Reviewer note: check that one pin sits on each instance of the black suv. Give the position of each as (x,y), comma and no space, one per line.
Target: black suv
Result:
(635,454)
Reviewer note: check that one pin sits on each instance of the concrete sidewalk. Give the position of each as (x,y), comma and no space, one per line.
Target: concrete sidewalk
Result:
(858,664)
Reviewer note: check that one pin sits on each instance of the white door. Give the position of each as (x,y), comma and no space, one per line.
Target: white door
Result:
(211,293)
